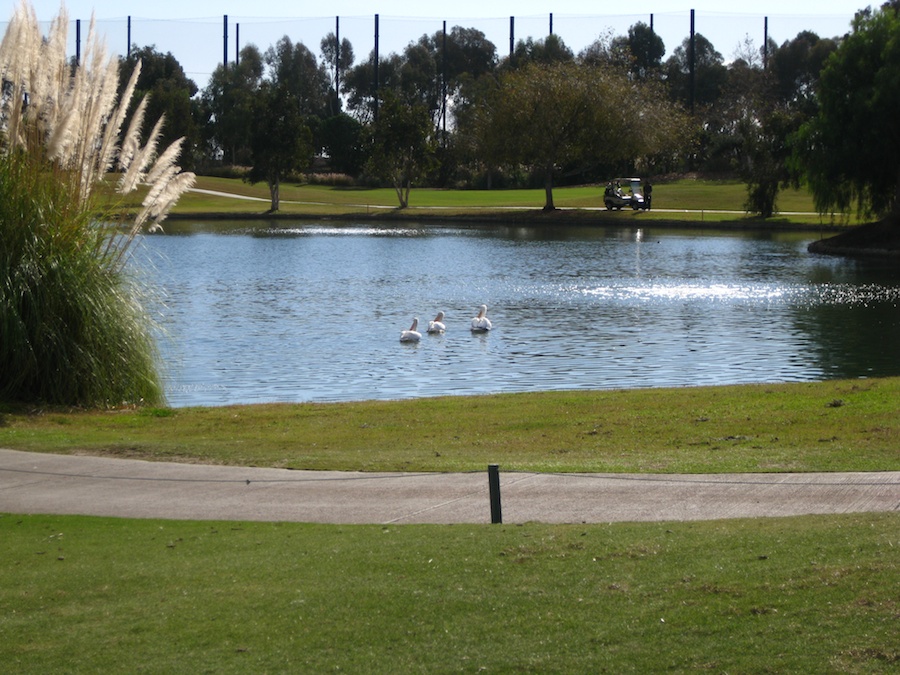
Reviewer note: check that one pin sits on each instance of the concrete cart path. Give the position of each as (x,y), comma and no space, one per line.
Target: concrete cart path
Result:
(68,484)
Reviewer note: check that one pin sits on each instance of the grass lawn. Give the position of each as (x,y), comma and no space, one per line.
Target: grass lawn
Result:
(806,594)
(837,425)
(683,200)
(794,595)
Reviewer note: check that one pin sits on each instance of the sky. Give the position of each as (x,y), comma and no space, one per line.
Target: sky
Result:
(193,31)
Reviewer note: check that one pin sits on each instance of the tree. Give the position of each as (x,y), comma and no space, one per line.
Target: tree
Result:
(850,150)
(710,73)
(796,66)
(608,50)
(547,116)
(343,140)
(299,76)
(770,106)
(360,87)
(227,104)
(640,53)
(170,96)
(402,147)
(647,48)
(337,58)
(281,142)
(766,150)
(551,49)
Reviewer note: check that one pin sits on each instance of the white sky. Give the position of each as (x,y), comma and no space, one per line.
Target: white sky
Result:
(193,30)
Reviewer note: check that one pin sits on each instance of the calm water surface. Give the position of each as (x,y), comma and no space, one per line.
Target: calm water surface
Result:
(313,312)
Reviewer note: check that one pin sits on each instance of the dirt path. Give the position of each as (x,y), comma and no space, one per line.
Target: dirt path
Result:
(44,483)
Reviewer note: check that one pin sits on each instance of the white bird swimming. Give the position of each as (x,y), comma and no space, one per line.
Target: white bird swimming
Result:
(480,323)
(436,327)
(411,335)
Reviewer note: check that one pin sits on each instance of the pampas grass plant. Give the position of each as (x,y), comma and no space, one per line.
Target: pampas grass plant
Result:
(72,326)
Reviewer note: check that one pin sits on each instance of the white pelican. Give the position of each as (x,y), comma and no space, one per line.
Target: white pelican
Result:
(437,326)
(480,323)
(411,335)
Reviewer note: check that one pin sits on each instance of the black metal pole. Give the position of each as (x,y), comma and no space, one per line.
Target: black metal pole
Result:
(512,34)
(237,45)
(444,86)
(225,42)
(692,65)
(128,49)
(77,42)
(765,43)
(376,68)
(551,23)
(494,488)
(337,56)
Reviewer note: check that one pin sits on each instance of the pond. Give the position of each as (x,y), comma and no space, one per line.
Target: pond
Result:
(262,312)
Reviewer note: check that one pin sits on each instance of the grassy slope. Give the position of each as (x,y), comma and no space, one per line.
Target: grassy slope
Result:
(825,426)
(793,595)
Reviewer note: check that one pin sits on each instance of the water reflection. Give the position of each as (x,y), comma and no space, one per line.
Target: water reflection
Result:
(314,312)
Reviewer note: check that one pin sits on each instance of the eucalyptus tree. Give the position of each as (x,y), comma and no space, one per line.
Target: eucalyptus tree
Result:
(361,89)
(647,49)
(227,106)
(608,50)
(420,77)
(699,88)
(548,50)
(548,116)
(281,142)
(171,95)
(287,112)
(402,150)
(299,76)
(640,52)
(795,67)
(710,73)
(337,58)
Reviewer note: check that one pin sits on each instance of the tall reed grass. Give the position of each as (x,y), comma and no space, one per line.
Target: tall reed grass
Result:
(72,326)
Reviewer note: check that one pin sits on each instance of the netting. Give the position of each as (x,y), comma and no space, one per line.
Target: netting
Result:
(201,44)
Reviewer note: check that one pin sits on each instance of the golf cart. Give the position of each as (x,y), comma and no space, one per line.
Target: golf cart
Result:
(623,192)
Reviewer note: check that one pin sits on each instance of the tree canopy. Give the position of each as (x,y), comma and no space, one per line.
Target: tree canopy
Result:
(280,142)
(170,96)
(850,150)
(547,116)
(227,104)
(402,146)
(742,112)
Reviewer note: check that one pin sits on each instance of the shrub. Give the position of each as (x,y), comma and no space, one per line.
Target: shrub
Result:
(72,327)
(332,179)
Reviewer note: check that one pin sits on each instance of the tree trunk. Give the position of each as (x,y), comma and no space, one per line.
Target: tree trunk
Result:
(398,190)
(548,190)
(406,189)
(401,188)
(274,194)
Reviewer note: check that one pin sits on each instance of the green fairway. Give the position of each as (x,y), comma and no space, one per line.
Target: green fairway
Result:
(793,595)
(685,200)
